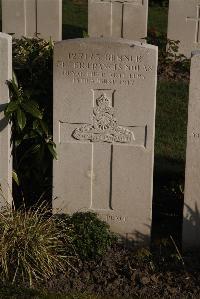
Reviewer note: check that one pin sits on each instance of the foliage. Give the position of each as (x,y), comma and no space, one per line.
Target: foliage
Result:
(30,111)
(31,246)
(91,236)
(159,2)
(171,64)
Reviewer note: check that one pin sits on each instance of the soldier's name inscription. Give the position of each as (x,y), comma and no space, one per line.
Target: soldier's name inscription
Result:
(107,68)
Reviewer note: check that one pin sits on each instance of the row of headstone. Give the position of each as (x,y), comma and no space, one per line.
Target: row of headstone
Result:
(107,18)
(104,123)
(33,17)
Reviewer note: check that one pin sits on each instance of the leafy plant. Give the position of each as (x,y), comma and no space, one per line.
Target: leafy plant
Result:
(31,140)
(171,64)
(30,111)
(31,246)
(91,236)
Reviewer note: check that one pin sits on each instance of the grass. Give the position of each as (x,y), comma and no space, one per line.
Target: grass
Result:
(171,120)
(158,18)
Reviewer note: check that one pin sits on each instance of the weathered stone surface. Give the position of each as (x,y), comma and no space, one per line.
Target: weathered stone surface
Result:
(28,17)
(5,148)
(191,221)
(104,114)
(184,24)
(112,18)
(49,19)
(19,17)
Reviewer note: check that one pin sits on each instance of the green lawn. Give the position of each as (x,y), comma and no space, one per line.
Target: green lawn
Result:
(158,18)
(171,120)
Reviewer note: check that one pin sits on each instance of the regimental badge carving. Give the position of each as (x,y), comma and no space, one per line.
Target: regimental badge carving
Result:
(104,127)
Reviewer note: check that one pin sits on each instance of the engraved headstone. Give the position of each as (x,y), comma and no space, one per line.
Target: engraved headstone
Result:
(191,221)
(113,18)
(184,24)
(5,132)
(104,113)
(31,17)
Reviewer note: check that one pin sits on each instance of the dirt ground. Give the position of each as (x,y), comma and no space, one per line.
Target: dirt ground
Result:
(124,273)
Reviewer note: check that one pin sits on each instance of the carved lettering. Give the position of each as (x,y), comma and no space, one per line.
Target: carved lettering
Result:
(148,68)
(115,218)
(196,135)
(104,68)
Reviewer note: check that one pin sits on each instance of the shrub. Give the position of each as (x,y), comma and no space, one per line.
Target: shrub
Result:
(171,64)
(30,111)
(90,236)
(31,246)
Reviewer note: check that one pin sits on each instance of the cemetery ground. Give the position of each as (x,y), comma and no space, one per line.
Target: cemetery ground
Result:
(163,271)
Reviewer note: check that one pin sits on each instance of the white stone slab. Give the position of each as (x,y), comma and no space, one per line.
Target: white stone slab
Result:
(49,19)
(191,222)
(184,24)
(104,114)
(5,134)
(19,17)
(112,18)
(28,17)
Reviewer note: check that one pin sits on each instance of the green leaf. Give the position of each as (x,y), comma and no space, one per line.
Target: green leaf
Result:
(21,118)
(15,177)
(52,151)
(12,106)
(14,79)
(32,109)
(13,88)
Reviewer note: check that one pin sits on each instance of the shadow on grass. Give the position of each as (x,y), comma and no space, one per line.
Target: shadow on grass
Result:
(168,199)
(191,227)
(70,31)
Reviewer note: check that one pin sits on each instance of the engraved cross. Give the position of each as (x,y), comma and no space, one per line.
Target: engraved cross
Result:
(122,3)
(104,134)
(197,21)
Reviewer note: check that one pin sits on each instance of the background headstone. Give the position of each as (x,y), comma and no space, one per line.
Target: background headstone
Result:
(112,18)
(191,221)
(5,132)
(19,17)
(184,24)
(104,114)
(27,17)
(49,19)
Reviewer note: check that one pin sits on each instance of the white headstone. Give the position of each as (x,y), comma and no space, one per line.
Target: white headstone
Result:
(104,114)
(49,19)
(113,18)
(184,24)
(191,221)
(28,17)
(5,132)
